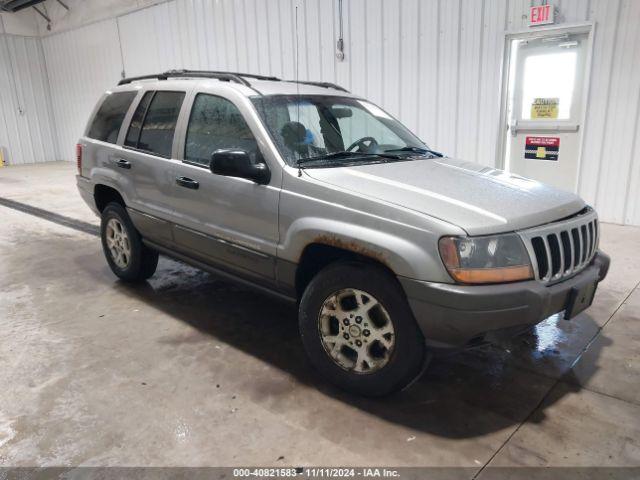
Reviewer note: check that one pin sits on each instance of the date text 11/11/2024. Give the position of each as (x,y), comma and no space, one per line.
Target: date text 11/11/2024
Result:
(315,472)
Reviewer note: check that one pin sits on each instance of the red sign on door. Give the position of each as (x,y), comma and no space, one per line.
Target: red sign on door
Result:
(542,148)
(541,15)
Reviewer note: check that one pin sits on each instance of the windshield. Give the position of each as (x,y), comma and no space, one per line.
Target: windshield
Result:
(310,128)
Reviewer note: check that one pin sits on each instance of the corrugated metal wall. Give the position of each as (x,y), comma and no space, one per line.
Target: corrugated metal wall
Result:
(26,121)
(610,172)
(433,63)
(82,64)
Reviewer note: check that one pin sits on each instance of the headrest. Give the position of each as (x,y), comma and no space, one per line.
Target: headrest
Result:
(293,133)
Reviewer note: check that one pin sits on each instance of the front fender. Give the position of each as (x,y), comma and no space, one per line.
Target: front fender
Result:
(402,256)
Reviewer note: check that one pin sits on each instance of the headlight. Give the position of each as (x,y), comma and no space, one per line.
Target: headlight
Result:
(492,259)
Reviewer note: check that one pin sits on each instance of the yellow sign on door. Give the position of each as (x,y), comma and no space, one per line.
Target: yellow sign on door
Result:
(545,108)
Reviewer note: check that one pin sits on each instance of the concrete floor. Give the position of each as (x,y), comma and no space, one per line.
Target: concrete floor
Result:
(189,370)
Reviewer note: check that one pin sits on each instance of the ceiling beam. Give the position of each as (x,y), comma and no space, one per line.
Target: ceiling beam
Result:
(17,5)
(42,14)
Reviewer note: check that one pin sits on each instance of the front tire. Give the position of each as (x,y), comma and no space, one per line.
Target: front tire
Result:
(358,330)
(129,258)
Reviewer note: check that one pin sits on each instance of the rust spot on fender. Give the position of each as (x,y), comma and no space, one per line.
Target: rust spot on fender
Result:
(353,246)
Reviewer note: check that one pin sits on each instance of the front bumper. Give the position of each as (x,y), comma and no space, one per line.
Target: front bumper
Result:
(451,315)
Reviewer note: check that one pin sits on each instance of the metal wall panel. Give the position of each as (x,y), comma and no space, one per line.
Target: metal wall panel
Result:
(149,40)
(607,14)
(82,64)
(617,143)
(26,121)
(436,64)
(494,13)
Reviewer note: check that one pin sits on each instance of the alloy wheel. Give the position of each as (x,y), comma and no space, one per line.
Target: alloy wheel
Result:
(356,331)
(118,243)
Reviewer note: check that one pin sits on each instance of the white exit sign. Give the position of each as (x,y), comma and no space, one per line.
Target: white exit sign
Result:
(541,15)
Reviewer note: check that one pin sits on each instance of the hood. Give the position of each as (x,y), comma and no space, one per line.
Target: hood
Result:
(481,200)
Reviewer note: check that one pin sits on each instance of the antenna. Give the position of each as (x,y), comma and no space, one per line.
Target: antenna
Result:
(297,62)
(298,78)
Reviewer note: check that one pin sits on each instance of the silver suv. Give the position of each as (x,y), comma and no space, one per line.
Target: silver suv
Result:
(302,190)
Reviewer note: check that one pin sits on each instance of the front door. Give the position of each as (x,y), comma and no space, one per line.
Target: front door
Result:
(545,107)
(230,222)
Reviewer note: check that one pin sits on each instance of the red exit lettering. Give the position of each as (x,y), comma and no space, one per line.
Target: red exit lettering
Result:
(541,15)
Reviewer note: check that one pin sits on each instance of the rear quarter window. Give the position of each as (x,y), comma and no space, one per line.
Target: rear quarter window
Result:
(108,120)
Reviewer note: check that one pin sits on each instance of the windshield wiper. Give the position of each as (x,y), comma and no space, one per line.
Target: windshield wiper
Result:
(345,154)
(420,150)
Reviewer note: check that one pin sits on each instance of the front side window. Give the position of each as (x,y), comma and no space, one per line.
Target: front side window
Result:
(216,123)
(108,120)
(332,130)
(159,124)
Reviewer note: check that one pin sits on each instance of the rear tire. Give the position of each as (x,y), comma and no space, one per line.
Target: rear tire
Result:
(358,329)
(129,258)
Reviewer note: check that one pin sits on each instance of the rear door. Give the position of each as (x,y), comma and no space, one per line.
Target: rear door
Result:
(229,221)
(146,161)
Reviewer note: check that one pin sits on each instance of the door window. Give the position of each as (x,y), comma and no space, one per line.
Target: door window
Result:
(548,77)
(215,123)
(136,122)
(545,79)
(159,124)
(107,122)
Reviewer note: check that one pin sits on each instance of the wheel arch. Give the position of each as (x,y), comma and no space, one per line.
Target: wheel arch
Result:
(319,254)
(105,194)
(310,242)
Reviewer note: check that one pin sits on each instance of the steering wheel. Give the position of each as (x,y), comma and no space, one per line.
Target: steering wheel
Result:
(361,144)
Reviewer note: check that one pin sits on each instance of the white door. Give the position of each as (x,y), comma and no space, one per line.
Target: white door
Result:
(545,107)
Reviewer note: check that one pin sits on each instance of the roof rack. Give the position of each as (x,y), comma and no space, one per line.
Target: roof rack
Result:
(321,84)
(206,73)
(234,77)
(224,76)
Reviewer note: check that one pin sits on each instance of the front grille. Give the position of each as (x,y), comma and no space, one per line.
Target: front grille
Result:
(562,249)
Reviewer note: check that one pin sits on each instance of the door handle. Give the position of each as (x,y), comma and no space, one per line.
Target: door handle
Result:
(187,182)
(122,163)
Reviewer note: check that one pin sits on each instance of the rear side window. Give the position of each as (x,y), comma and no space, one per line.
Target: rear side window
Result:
(158,123)
(107,122)
(136,121)
(216,123)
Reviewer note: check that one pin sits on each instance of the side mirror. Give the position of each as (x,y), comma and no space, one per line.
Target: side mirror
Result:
(238,163)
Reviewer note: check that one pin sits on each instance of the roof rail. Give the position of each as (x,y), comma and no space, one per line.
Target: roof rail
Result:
(235,77)
(248,75)
(224,76)
(321,84)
